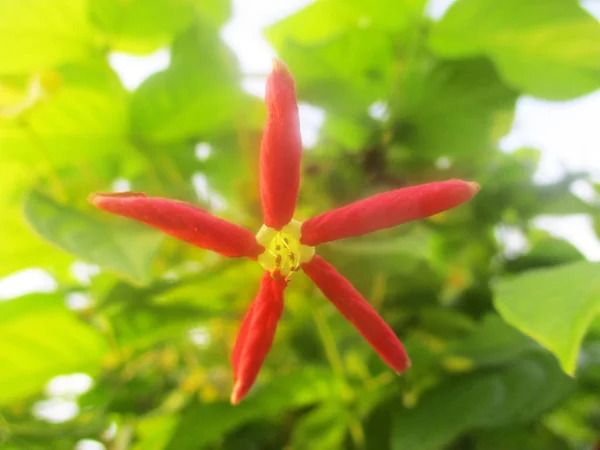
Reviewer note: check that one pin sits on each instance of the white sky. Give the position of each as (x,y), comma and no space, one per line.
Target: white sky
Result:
(567,133)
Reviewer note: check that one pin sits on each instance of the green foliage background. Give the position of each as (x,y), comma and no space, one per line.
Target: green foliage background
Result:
(492,337)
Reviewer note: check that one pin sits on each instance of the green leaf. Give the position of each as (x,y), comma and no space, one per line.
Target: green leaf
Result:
(492,342)
(326,20)
(213,12)
(416,244)
(295,390)
(343,53)
(21,249)
(154,432)
(521,383)
(547,48)
(378,424)
(553,389)
(81,115)
(39,34)
(125,249)
(140,26)
(323,428)
(518,437)
(445,412)
(18,246)
(197,95)
(515,393)
(546,251)
(41,339)
(554,306)
(456,109)
(350,133)
(143,325)
(330,65)
(575,419)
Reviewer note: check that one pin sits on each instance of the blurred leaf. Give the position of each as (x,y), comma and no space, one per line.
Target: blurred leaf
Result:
(517,437)
(143,325)
(154,432)
(530,387)
(19,92)
(576,420)
(546,251)
(589,360)
(553,389)
(516,393)
(41,339)
(231,169)
(40,34)
(554,306)
(301,388)
(21,249)
(415,243)
(81,117)
(323,428)
(342,52)
(214,12)
(18,246)
(493,342)
(547,48)
(350,133)
(562,203)
(455,109)
(445,322)
(216,287)
(125,249)
(445,412)
(521,384)
(197,95)
(378,425)
(323,21)
(140,26)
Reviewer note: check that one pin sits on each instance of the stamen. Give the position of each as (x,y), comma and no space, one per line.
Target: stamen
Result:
(283,251)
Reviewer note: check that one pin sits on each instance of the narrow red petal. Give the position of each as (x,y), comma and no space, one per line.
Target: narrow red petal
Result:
(267,309)
(183,221)
(281,149)
(387,210)
(240,341)
(359,312)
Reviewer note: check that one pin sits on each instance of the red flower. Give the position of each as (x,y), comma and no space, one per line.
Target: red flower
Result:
(283,245)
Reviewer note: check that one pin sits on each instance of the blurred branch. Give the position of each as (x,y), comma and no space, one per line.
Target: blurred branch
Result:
(335,360)
(124,436)
(328,341)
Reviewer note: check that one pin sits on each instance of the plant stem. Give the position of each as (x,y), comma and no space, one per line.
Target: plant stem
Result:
(335,360)
(328,341)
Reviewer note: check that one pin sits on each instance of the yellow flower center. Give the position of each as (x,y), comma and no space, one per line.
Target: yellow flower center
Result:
(283,250)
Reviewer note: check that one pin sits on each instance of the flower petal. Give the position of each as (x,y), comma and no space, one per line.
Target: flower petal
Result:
(259,334)
(359,312)
(386,210)
(183,221)
(281,149)
(241,339)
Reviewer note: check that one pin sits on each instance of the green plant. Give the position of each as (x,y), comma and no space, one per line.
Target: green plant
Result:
(504,348)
